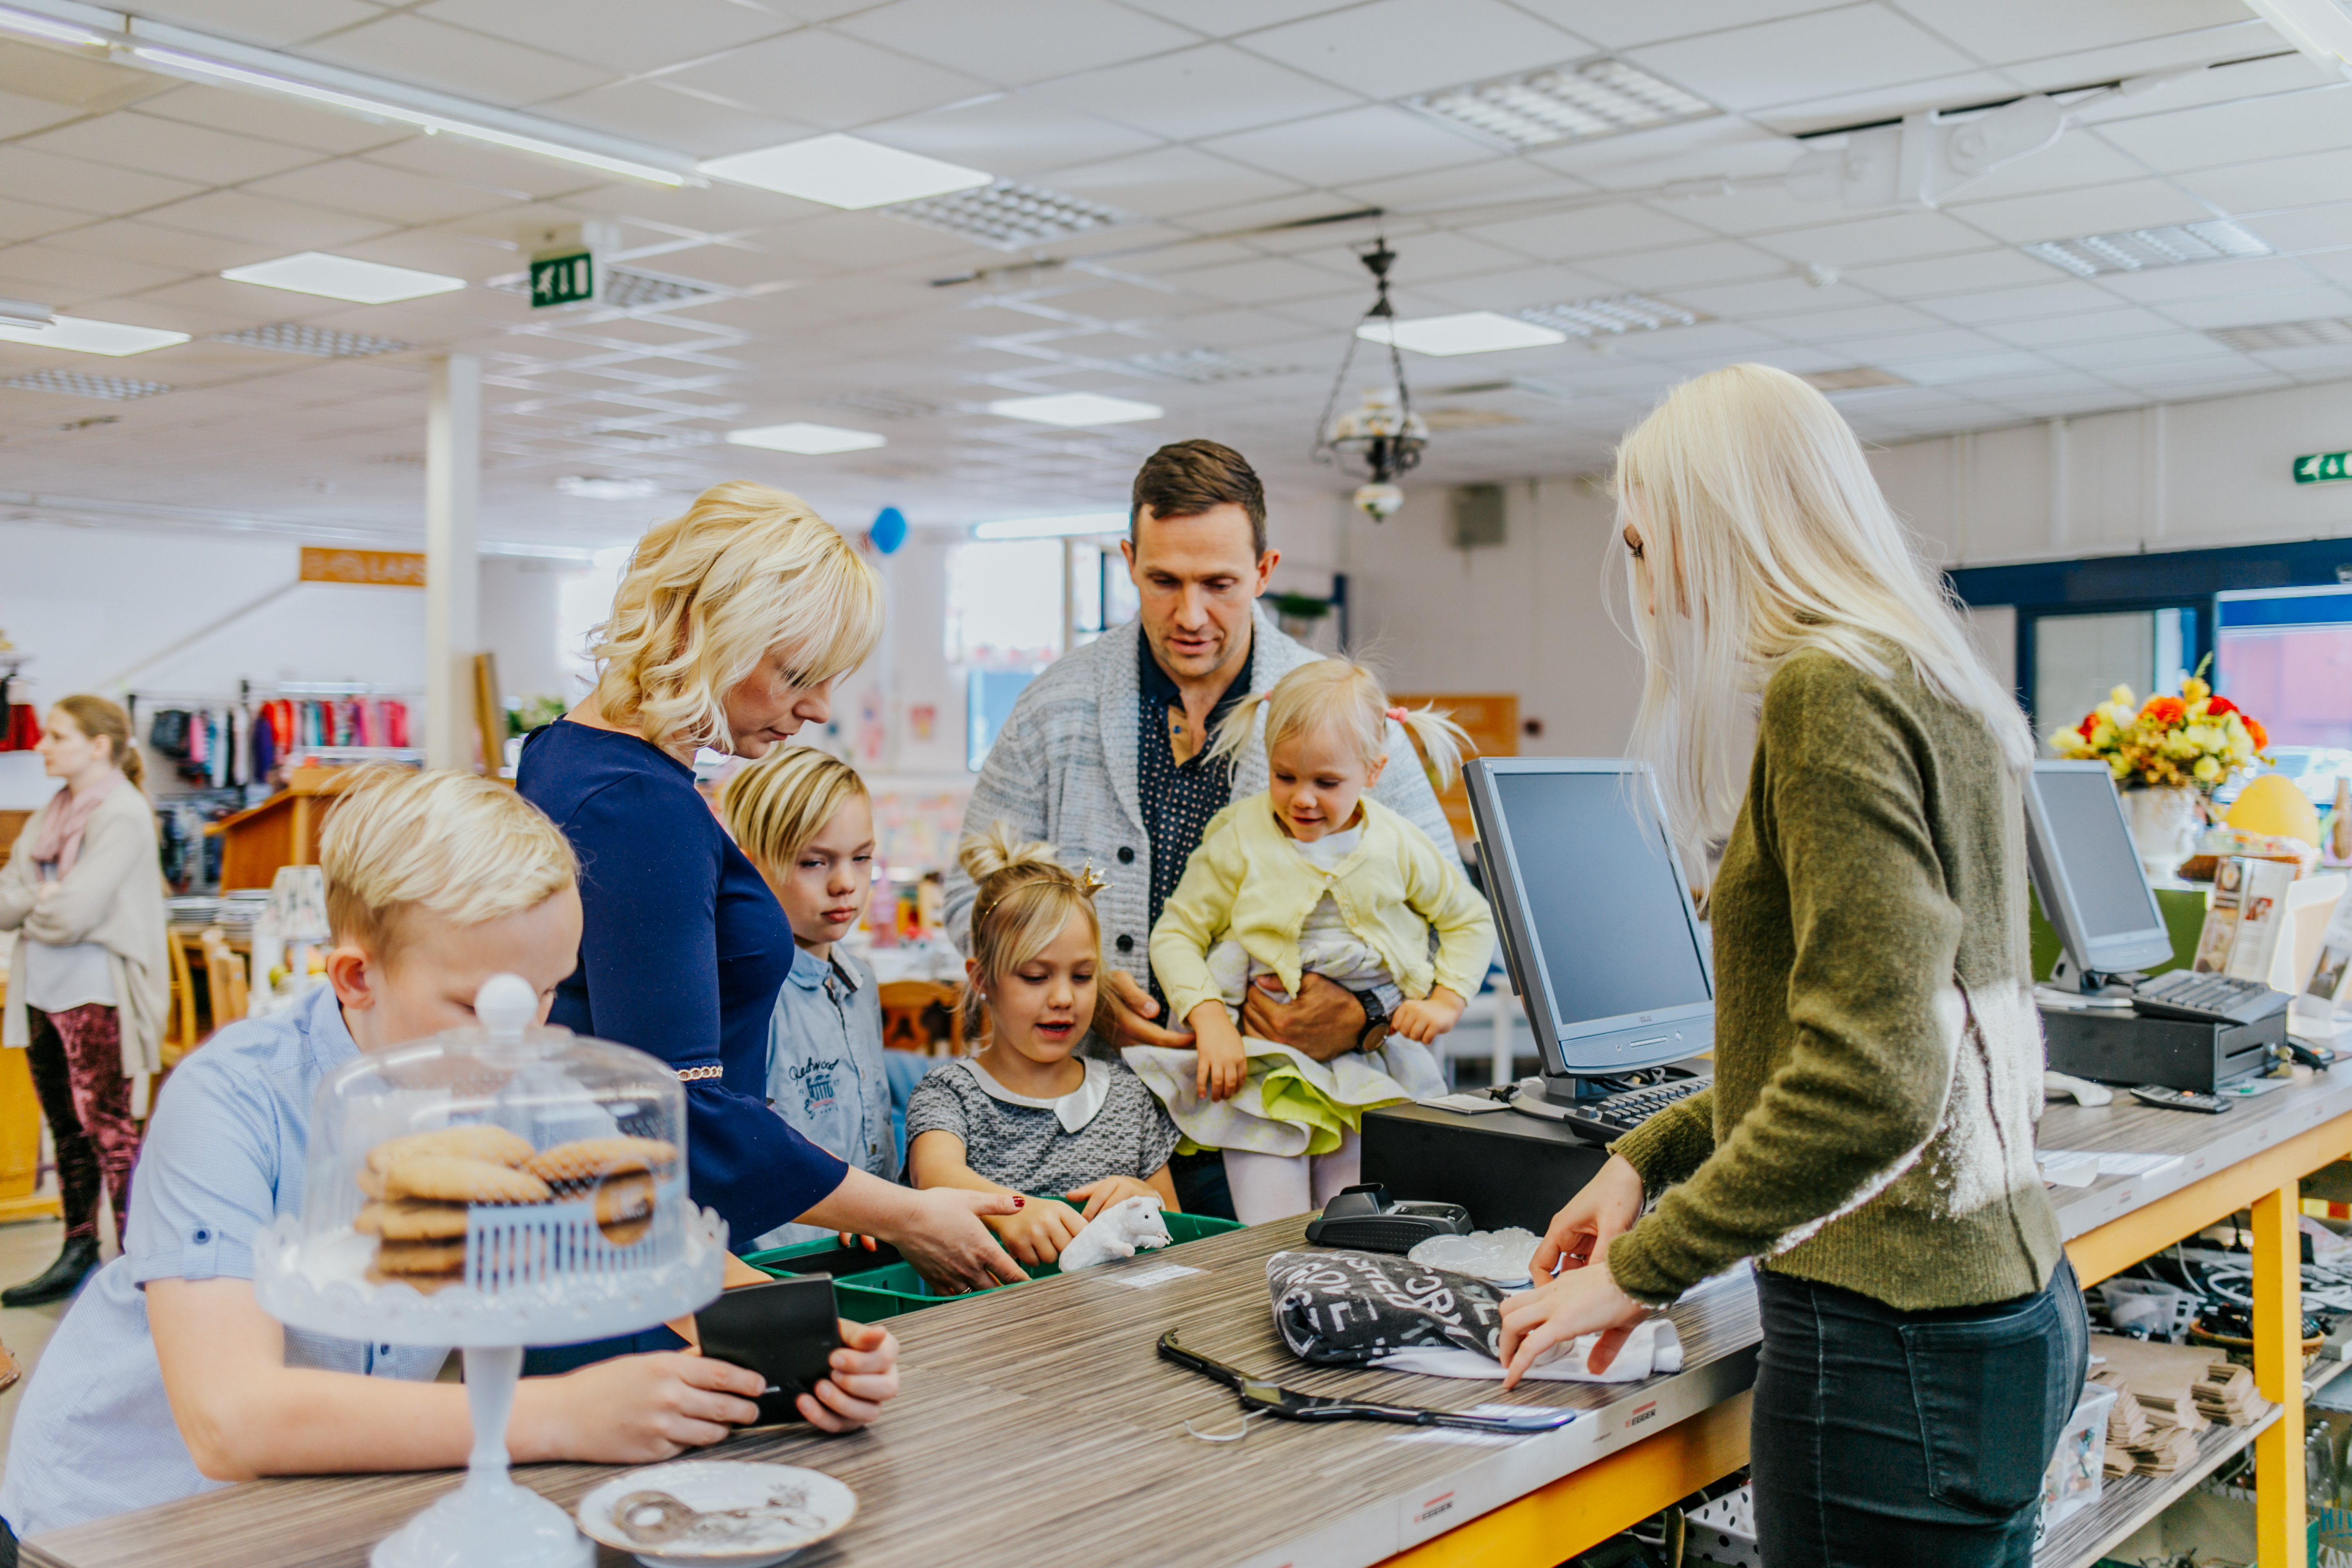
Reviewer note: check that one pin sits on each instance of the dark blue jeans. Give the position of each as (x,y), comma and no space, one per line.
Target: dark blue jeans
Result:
(1919,1439)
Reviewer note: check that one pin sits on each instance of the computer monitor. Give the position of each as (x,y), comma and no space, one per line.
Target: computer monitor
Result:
(2088,876)
(1599,934)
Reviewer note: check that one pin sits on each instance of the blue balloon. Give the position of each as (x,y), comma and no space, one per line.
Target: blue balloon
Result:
(889,530)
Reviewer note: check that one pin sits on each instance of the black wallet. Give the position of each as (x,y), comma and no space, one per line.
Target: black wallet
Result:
(786,1331)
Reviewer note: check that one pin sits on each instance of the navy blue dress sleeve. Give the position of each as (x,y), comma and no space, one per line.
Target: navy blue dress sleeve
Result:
(655,872)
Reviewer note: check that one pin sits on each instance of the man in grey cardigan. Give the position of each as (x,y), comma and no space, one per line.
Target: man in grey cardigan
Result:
(1104,753)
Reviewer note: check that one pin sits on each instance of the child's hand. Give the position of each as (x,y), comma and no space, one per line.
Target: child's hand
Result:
(1429,1017)
(1099,1195)
(1223,1060)
(864,1372)
(1038,1230)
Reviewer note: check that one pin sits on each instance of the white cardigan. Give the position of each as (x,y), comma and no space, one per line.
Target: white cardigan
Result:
(114,897)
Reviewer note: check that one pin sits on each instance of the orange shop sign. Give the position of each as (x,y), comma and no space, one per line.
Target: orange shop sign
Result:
(382,568)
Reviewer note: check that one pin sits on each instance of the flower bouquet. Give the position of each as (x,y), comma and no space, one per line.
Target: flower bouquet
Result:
(2168,754)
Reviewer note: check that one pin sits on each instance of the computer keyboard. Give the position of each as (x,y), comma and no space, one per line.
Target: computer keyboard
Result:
(2206,998)
(1605,1120)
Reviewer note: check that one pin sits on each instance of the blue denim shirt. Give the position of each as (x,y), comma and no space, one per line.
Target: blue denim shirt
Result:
(826,1073)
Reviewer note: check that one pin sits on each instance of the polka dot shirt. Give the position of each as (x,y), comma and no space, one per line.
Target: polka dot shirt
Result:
(1178,798)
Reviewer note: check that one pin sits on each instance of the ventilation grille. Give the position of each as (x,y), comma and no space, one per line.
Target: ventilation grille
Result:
(1860,378)
(2139,249)
(1617,313)
(2326,332)
(1009,215)
(322,343)
(74,383)
(1204,366)
(1564,103)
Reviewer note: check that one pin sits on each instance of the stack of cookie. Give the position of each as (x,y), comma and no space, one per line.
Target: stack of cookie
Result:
(420,1187)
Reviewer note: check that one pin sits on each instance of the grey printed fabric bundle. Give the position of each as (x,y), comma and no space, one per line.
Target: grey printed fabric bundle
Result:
(1349,1308)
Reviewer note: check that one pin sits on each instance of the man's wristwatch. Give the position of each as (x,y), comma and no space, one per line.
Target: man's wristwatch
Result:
(1376,1021)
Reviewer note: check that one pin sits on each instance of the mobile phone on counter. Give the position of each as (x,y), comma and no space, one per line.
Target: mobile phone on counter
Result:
(786,1331)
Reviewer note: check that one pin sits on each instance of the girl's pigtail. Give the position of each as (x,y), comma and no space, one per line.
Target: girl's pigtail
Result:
(1233,730)
(1442,741)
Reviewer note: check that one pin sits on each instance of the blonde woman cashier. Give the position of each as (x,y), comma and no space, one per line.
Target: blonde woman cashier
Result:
(88,978)
(1869,1139)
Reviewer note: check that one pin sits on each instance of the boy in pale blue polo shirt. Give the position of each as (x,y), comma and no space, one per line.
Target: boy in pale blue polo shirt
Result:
(802,818)
(166,1379)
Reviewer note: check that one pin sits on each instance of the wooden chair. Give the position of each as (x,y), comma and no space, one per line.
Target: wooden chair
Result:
(183,1036)
(224,973)
(924,1016)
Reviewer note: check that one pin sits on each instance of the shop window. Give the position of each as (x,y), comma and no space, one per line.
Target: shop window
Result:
(2285,655)
(1004,603)
(2078,660)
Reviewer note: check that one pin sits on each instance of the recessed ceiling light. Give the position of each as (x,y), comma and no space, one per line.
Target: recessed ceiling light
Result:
(1009,216)
(73,384)
(807,441)
(342,277)
(1564,103)
(1052,527)
(2328,331)
(597,487)
(1614,313)
(844,172)
(324,342)
(1075,408)
(2138,249)
(1471,333)
(1205,366)
(1860,378)
(83,336)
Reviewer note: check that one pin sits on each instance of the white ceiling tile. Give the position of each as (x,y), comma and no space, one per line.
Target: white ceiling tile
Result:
(1708,148)
(269,23)
(243,303)
(2056,384)
(299,125)
(2124,352)
(2080,158)
(30,220)
(1267,280)
(81,186)
(1959,368)
(450,252)
(1848,50)
(729,266)
(2335,266)
(1352,144)
(2250,44)
(2258,188)
(1868,241)
(370,190)
(2329,360)
(2082,327)
(1946,274)
(1602,228)
(1012,135)
(2001,31)
(1614,24)
(1722,261)
(1205,92)
(20,114)
(1868,106)
(1787,295)
(1053,38)
(1518,288)
(2104,209)
(511,174)
(2257,276)
(167,247)
(1442,195)
(130,139)
(2028,302)
(2314,120)
(2280,305)
(1387,48)
(1856,321)
(455,61)
(1169,182)
(656,111)
(620,35)
(62,277)
(1221,18)
(825,79)
(241,215)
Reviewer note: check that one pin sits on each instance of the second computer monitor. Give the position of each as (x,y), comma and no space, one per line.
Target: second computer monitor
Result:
(1602,943)
(2086,873)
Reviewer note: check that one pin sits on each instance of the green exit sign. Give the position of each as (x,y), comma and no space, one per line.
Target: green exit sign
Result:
(562,280)
(2320,467)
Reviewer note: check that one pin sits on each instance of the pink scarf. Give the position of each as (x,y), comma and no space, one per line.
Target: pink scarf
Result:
(67,815)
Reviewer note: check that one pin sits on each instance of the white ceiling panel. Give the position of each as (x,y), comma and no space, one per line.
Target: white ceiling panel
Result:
(1206,91)
(2030,302)
(1442,196)
(1858,321)
(2249,45)
(20,114)
(2317,119)
(2083,327)
(1051,37)
(1265,281)
(1171,182)
(2166,348)
(1787,295)
(1870,105)
(1613,25)
(1011,135)
(1851,48)
(454,59)
(1352,144)
(512,176)
(2080,158)
(81,186)
(620,35)
(662,112)
(240,216)
(1222,18)
(822,78)
(68,277)
(128,139)
(2258,276)
(2275,182)
(269,23)
(1865,242)
(2003,31)
(2283,305)
(1722,261)
(2102,209)
(1387,48)
(30,220)
(1602,228)
(273,119)
(372,190)
(1953,274)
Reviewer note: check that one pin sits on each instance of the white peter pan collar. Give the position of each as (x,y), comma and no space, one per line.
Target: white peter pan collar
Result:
(1074,1110)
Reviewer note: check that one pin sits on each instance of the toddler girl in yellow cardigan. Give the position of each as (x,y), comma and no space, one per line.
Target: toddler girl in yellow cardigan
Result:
(1313,874)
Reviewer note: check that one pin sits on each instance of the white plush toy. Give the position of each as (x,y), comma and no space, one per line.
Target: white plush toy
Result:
(1129,1226)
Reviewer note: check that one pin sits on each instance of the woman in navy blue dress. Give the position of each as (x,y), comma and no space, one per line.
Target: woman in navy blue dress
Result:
(728,629)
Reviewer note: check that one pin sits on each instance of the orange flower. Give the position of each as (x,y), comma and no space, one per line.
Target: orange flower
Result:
(2221,707)
(2165,710)
(2254,728)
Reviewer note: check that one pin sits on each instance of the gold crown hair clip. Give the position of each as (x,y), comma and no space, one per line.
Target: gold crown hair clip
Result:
(1088,883)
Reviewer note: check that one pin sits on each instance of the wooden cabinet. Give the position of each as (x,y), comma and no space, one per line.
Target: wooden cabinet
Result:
(281,831)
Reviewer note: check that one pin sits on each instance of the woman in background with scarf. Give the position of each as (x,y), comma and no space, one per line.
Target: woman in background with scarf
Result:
(89,981)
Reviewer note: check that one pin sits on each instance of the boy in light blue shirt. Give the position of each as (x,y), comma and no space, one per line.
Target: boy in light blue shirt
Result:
(802,818)
(166,1378)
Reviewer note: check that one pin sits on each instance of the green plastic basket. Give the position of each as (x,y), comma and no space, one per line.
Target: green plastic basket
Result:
(869,1288)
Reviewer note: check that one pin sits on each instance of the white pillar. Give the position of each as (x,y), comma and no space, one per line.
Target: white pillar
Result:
(452,484)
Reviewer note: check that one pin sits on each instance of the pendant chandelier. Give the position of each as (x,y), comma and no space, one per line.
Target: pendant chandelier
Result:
(1381,437)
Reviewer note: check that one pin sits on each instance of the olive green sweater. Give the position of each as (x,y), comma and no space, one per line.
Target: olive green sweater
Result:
(1877,1056)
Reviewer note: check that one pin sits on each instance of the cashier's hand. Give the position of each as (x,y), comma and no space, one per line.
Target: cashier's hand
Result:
(1324,1020)
(1131,1012)
(638,1409)
(1603,1210)
(1579,1302)
(865,1375)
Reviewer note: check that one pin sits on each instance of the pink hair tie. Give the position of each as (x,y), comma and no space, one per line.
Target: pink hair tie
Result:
(1397,714)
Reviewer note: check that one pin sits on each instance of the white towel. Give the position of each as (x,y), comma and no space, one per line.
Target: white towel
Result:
(1654,1348)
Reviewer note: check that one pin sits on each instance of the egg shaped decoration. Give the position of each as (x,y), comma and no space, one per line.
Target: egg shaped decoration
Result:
(2272,804)
(889,530)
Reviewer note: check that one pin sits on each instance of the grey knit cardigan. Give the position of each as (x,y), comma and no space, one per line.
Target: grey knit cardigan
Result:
(1063,769)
